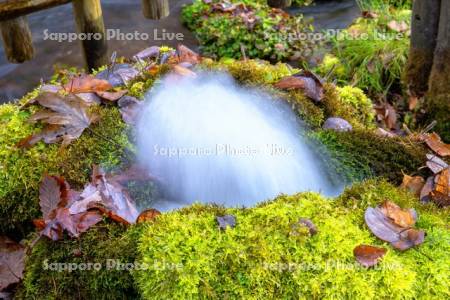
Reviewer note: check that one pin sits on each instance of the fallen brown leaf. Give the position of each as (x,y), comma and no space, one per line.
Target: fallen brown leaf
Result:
(426,190)
(369,14)
(387,114)
(187,55)
(67,118)
(392,224)
(413,184)
(398,26)
(147,215)
(441,193)
(307,81)
(12,263)
(435,143)
(112,96)
(368,256)
(86,84)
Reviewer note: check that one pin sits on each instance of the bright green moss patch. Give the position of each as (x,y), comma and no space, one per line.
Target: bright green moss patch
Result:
(21,170)
(264,257)
(361,154)
(103,245)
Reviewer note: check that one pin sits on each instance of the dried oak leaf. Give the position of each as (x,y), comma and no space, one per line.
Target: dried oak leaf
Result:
(67,118)
(392,224)
(414,184)
(12,263)
(86,84)
(435,143)
(306,81)
(147,215)
(368,256)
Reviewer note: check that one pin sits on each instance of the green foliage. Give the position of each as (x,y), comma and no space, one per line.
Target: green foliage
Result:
(224,34)
(368,54)
(350,104)
(105,241)
(266,257)
(361,154)
(383,4)
(21,170)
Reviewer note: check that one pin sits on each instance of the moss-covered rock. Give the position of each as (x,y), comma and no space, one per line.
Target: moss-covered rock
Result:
(96,257)
(21,170)
(265,256)
(362,154)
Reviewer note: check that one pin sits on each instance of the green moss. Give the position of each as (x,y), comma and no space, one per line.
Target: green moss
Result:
(264,257)
(103,242)
(21,170)
(360,154)
(350,104)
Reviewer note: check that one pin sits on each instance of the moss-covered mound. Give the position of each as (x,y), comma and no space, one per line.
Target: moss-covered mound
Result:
(21,170)
(184,255)
(361,154)
(96,266)
(266,256)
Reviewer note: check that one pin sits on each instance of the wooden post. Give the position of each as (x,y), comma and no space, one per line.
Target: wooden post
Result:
(17,40)
(279,3)
(11,9)
(155,9)
(424,31)
(89,20)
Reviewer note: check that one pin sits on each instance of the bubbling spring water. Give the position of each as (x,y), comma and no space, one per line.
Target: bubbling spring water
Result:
(209,140)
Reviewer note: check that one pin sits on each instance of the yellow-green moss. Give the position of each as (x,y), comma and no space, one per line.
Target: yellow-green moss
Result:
(349,103)
(105,241)
(361,154)
(21,170)
(262,258)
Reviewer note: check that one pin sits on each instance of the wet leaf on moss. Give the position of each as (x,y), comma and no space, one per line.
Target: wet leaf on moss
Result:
(426,190)
(414,184)
(112,96)
(226,221)
(306,81)
(66,118)
(147,215)
(392,224)
(368,256)
(441,193)
(129,109)
(86,84)
(12,263)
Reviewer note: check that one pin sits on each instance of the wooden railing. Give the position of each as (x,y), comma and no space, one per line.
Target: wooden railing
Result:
(18,40)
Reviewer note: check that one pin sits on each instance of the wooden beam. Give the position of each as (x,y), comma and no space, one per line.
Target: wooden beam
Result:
(89,20)
(11,9)
(155,9)
(17,40)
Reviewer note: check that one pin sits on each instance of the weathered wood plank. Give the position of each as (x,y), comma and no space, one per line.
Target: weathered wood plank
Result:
(89,20)
(155,9)
(11,9)
(17,40)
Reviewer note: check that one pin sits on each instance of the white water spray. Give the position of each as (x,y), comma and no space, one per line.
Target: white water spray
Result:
(211,141)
